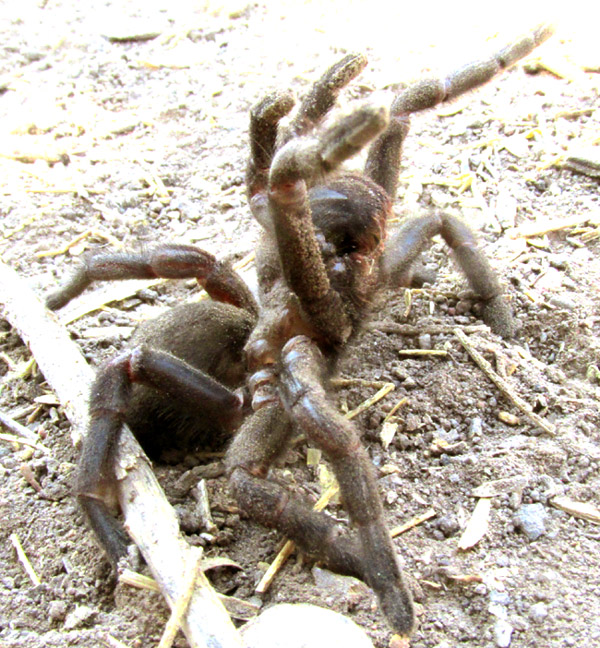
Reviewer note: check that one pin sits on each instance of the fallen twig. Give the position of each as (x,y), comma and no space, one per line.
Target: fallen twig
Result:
(149,518)
(384,391)
(112,642)
(237,608)
(549,225)
(423,352)
(583,510)
(503,386)
(12,438)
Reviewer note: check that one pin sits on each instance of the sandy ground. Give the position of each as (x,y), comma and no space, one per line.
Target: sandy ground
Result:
(154,133)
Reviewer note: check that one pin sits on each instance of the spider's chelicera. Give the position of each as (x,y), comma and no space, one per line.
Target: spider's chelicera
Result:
(257,369)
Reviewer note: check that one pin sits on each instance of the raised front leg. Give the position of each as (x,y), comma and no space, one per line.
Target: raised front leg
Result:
(414,236)
(169,261)
(295,168)
(322,96)
(383,163)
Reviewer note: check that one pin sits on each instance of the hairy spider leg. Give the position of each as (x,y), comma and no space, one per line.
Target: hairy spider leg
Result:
(110,401)
(170,261)
(306,402)
(322,97)
(267,136)
(415,234)
(383,162)
(296,167)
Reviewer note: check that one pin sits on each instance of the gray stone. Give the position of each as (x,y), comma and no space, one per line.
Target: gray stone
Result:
(530,519)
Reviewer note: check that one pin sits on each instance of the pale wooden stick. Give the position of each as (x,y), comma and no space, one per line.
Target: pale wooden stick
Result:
(503,386)
(409,330)
(149,518)
(13,438)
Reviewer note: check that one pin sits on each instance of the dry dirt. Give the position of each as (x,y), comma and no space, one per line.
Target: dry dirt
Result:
(154,133)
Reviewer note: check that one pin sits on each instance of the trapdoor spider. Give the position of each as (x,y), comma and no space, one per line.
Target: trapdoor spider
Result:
(260,368)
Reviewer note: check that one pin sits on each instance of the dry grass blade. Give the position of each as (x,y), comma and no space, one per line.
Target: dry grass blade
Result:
(22,556)
(409,330)
(12,438)
(182,603)
(149,518)
(18,429)
(550,225)
(423,352)
(112,642)
(477,525)
(237,608)
(583,510)
(382,393)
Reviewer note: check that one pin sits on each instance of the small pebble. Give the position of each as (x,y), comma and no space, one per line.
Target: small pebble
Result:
(425,341)
(82,615)
(57,610)
(538,612)
(530,519)
(502,633)
(565,301)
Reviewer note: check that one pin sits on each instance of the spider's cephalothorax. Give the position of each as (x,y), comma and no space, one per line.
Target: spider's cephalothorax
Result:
(256,369)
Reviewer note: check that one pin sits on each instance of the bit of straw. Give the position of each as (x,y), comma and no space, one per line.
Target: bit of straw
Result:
(73,242)
(22,556)
(382,393)
(549,225)
(410,331)
(397,406)
(503,386)
(413,522)
(181,605)
(423,352)
(112,642)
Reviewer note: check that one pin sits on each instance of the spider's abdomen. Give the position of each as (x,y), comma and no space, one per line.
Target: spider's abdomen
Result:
(209,336)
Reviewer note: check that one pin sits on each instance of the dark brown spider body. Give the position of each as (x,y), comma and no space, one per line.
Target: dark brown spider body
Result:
(163,423)
(260,369)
